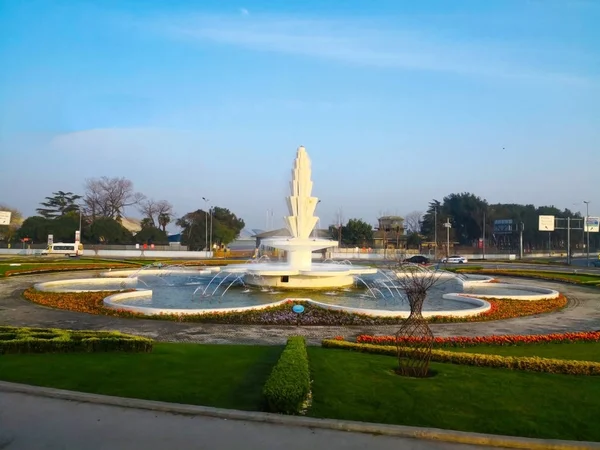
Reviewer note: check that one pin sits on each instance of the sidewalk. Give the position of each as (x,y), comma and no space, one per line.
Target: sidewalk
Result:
(32,422)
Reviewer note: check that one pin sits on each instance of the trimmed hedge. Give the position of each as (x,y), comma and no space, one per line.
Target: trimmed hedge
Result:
(288,385)
(53,340)
(528,364)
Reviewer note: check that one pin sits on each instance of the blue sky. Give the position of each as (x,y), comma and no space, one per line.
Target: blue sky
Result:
(397,102)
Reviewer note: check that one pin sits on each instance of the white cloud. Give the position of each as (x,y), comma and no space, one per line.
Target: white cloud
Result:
(244,12)
(375,43)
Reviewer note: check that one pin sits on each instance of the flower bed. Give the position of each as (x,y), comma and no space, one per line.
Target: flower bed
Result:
(528,364)
(51,340)
(63,268)
(502,340)
(92,303)
(288,386)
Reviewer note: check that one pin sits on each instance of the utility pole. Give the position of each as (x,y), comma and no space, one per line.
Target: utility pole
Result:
(571,225)
(587,229)
(205,224)
(521,229)
(568,241)
(483,236)
(211,228)
(435,232)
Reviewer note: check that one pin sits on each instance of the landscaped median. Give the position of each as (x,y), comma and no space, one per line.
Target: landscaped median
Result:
(528,364)
(92,303)
(52,340)
(288,387)
(563,277)
(494,340)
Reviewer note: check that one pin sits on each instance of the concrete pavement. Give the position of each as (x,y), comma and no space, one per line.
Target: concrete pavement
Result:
(29,422)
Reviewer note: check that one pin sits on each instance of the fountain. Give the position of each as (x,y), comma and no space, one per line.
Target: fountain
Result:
(261,283)
(299,271)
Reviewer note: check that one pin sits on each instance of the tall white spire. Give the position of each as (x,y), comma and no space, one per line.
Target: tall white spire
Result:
(301,205)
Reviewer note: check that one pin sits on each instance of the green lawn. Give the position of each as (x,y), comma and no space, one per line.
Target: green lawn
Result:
(224,376)
(346,385)
(359,386)
(584,351)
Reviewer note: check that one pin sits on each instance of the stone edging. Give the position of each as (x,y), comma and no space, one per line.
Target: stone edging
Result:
(434,434)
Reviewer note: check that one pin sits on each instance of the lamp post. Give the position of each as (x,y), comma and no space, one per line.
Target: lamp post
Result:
(435,232)
(205,224)
(587,229)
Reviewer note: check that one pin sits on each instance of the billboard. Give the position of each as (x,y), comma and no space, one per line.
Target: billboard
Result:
(592,224)
(77,236)
(5,217)
(503,226)
(546,223)
(50,239)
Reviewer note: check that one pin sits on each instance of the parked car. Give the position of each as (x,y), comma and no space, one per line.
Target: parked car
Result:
(417,259)
(455,259)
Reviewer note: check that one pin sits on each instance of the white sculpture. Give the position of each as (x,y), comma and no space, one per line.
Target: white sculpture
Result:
(299,271)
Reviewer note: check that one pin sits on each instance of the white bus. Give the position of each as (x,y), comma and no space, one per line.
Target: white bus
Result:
(64,249)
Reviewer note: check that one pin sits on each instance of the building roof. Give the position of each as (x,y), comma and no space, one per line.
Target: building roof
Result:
(133,225)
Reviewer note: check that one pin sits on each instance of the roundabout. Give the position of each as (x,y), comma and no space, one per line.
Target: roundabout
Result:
(582,313)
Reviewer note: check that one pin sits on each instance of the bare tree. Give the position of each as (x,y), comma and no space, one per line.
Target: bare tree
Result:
(108,197)
(157,212)
(414,339)
(413,221)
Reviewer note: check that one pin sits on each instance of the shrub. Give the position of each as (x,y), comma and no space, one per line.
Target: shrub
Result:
(51,340)
(288,385)
(528,364)
(499,340)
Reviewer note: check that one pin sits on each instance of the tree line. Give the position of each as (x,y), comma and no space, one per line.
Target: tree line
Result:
(104,200)
(99,214)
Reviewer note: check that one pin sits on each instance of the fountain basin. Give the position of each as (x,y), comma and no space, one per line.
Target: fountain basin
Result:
(473,306)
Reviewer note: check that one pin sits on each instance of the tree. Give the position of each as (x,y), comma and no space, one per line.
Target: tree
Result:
(108,197)
(193,232)
(413,222)
(226,227)
(34,228)
(106,230)
(355,233)
(413,240)
(164,219)
(59,204)
(151,235)
(158,212)
(146,223)
(9,232)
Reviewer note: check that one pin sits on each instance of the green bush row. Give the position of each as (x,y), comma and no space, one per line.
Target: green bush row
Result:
(528,364)
(288,385)
(53,340)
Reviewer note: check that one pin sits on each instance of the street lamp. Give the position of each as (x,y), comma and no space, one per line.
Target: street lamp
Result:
(206,225)
(435,251)
(587,228)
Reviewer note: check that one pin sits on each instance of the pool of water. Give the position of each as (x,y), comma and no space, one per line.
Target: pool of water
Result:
(193,291)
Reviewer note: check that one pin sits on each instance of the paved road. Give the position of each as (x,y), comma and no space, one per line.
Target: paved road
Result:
(582,314)
(36,423)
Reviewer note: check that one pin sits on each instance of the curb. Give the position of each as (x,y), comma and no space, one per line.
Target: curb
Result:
(433,434)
